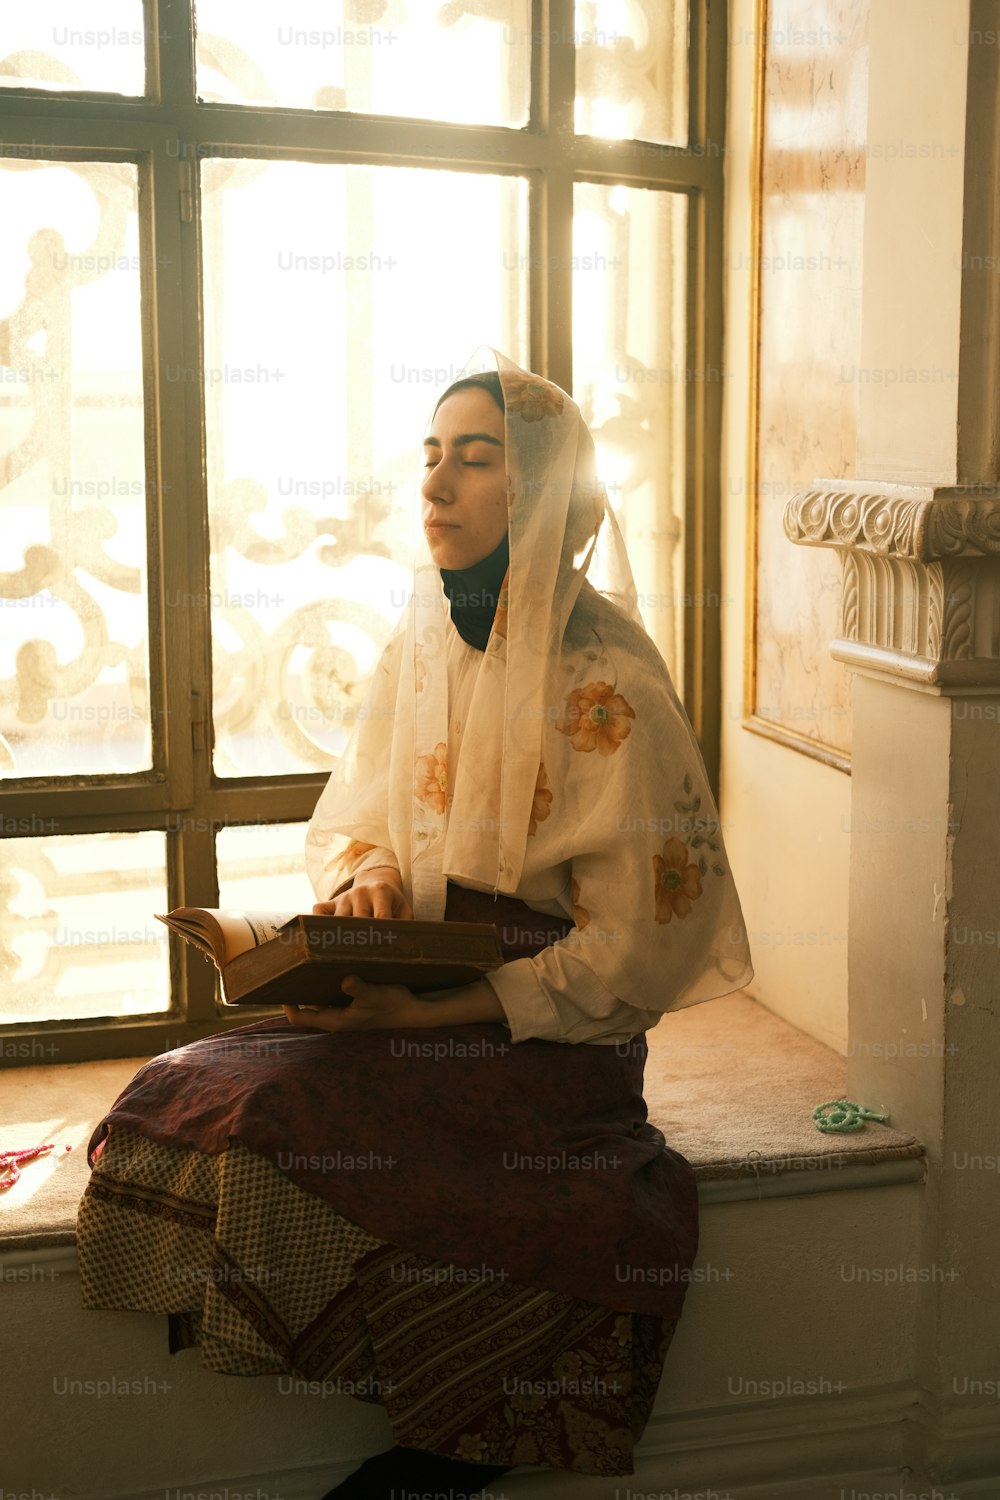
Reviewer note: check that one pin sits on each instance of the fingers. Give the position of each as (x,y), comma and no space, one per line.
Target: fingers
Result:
(372,1006)
(380,901)
(369,901)
(296,1017)
(314,1020)
(377,899)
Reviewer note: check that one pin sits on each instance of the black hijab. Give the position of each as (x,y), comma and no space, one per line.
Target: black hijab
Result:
(473,593)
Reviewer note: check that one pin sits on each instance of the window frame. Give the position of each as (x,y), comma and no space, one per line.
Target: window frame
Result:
(165,133)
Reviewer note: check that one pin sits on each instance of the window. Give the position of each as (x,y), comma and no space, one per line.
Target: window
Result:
(236,267)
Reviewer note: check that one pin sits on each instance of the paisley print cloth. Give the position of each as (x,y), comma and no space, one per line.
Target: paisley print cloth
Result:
(537,1160)
(266,1279)
(491,1241)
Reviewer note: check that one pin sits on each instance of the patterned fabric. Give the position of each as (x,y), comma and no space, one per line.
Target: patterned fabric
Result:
(581,788)
(258,1187)
(537,1159)
(264,1278)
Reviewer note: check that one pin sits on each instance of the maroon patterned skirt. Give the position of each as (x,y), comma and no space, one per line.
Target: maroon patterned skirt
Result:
(530,1169)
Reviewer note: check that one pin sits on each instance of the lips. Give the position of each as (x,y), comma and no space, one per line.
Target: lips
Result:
(440,526)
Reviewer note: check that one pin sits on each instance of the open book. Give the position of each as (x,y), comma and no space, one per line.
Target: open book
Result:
(289,958)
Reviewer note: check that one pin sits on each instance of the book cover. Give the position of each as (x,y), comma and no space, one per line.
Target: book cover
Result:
(300,959)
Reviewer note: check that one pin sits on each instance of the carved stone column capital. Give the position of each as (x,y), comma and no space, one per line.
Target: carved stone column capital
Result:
(921,578)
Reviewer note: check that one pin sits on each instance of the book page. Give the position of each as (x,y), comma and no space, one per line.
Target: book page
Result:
(222,935)
(242,930)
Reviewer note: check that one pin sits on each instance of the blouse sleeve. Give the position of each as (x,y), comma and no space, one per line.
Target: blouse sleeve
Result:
(355,858)
(557,996)
(658,920)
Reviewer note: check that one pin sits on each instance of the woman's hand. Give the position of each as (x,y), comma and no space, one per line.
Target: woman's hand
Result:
(375,893)
(381,1005)
(373,1006)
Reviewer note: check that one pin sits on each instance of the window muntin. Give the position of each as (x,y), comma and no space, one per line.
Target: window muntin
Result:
(187,802)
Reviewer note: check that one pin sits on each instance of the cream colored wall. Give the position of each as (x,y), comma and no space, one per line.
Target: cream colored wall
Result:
(787,814)
(786,835)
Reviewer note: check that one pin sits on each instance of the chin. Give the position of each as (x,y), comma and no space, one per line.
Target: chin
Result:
(447,552)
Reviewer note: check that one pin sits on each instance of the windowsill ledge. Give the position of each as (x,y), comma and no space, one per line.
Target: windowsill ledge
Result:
(731,1085)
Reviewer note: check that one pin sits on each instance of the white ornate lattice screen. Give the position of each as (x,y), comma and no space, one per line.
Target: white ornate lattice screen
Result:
(232,276)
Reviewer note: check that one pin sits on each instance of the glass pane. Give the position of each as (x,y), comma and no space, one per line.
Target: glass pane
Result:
(74,677)
(74,44)
(330,327)
(458,61)
(262,867)
(78,935)
(631,381)
(632,70)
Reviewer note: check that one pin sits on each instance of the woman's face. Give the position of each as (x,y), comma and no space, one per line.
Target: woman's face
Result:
(465,484)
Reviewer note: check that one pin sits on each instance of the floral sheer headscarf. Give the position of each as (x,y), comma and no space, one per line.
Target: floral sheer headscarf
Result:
(555,508)
(574,741)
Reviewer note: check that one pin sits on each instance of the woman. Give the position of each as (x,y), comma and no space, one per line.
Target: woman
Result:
(452,1212)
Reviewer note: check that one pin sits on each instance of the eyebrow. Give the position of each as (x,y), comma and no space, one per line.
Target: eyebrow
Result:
(465,438)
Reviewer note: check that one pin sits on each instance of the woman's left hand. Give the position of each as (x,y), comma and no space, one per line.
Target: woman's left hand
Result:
(372,1006)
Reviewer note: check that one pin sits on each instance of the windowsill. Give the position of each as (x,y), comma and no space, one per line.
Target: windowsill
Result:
(730,1084)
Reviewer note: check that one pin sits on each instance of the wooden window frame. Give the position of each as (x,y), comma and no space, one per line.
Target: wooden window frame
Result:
(165,133)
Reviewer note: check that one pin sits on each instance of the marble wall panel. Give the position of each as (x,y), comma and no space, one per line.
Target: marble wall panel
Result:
(813,155)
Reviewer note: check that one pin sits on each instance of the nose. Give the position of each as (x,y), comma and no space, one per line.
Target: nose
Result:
(436,485)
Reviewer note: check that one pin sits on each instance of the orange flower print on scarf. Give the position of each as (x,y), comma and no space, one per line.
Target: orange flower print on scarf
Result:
(532,397)
(678,882)
(354,850)
(541,804)
(581,916)
(419,668)
(596,718)
(432,778)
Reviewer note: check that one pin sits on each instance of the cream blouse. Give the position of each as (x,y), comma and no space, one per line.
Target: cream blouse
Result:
(558,766)
(556,995)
